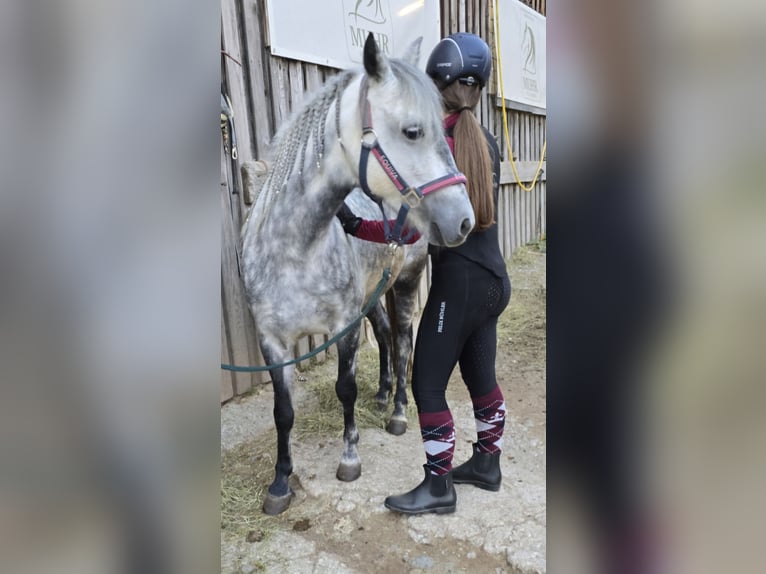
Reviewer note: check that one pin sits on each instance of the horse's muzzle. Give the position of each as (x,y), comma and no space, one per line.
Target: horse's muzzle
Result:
(457,237)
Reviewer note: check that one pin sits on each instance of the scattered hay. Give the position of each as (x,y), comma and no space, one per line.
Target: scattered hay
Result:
(324,415)
(522,256)
(522,325)
(246,471)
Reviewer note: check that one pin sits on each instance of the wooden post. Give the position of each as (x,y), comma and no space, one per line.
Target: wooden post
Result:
(240,328)
(254,15)
(227,380)
(235,77)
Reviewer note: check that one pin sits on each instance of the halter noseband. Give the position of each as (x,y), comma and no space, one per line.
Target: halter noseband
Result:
(411,195)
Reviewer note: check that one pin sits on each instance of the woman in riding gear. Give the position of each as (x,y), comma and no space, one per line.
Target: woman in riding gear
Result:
(469,290)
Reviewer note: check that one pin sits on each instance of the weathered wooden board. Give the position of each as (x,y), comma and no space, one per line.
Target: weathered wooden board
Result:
(525,169)
(227,382)
(259,79)
(240,330)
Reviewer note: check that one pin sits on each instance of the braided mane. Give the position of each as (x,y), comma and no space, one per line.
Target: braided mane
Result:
(293,138)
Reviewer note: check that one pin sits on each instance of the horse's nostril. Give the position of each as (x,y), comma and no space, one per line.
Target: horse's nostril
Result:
(465,227)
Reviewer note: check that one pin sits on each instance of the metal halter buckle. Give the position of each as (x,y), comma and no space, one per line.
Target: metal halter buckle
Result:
(369,138)
(412,197)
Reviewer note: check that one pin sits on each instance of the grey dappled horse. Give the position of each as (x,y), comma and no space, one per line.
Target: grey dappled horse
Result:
(300,273)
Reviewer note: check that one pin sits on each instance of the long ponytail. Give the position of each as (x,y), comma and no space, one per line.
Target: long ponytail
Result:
(471,151)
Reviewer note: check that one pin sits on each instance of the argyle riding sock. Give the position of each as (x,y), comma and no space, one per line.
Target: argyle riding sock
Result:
(489,411)
(438,433)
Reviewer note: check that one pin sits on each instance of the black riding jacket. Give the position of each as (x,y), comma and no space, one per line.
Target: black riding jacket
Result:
(481,247)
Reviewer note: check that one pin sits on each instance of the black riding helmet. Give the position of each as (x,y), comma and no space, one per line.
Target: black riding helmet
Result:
(460,56)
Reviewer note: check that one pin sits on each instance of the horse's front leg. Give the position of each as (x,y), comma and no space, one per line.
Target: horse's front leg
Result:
(350,467)
(405,295)
(382,329)
(280,494)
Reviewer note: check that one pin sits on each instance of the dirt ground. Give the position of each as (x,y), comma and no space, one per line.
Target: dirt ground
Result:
(336,527)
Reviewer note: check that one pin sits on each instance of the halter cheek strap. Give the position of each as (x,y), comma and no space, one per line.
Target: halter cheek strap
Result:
(411,195)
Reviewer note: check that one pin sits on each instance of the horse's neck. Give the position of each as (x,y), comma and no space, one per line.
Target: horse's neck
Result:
(304,221)
(303,213)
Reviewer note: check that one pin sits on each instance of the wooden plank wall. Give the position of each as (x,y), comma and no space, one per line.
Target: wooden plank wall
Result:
(265,89)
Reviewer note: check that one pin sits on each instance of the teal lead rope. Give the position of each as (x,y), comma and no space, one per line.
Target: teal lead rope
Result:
(373,299)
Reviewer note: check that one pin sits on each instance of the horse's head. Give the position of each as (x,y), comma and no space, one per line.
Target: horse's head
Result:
(408,155)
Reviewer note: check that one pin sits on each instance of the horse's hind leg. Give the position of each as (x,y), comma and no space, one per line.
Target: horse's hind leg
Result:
(403,308)
(382,329)
(279,494)
(350,467)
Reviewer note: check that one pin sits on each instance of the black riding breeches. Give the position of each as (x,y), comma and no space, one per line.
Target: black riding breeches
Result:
(459,324)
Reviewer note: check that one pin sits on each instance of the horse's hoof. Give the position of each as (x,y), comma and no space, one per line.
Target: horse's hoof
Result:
(396,427)
(273,505)
(349,472)
(382,404)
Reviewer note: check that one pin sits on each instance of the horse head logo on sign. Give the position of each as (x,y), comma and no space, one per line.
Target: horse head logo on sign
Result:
(529,62)
(529,51)
(367,14)
(362,17)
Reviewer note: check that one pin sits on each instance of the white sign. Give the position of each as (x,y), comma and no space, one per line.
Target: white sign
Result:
(333,32)
(522,52)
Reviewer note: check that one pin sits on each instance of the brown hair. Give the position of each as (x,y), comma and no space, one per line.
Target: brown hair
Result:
(471,151)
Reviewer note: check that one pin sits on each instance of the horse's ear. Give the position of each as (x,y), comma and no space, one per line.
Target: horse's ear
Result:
(375,63)
(413,52)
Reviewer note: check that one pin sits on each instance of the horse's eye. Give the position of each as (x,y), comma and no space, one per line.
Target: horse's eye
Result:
(413,133)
